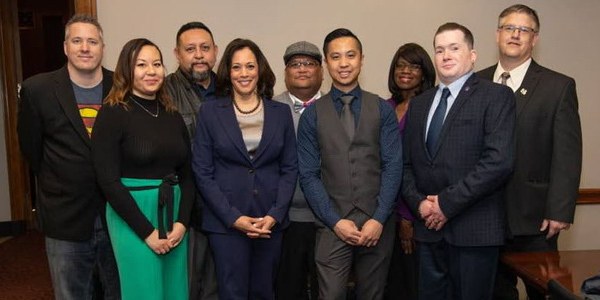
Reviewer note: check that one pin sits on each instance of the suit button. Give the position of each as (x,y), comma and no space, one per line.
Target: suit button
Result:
(255,192)
(250,171)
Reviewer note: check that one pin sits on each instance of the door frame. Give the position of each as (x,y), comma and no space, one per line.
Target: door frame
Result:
(10,79)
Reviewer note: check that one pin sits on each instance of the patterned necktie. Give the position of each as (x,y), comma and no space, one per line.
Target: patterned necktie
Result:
(347,117)
(299,106)
(504,77)
(435,127)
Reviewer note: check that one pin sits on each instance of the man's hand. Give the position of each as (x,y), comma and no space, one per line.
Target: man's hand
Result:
(247,225)
(370,233)
(436,220)
(554,227)
(347,231)
(425,208)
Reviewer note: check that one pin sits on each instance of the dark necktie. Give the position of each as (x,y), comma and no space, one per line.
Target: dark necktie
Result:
(347,117)
(435,127)
(504,77)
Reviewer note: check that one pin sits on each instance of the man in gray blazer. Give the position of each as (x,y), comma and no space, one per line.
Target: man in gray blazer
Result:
(541,194)
(303,78)
(458,154)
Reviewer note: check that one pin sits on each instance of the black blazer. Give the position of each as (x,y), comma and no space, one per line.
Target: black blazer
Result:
(545,183)
(54,140)
(468,170)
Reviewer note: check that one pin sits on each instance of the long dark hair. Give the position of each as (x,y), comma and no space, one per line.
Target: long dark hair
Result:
(123,76)
(266,77)
(414,54)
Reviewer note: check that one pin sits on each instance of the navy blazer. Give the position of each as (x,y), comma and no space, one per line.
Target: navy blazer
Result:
(231,183)
(473,160)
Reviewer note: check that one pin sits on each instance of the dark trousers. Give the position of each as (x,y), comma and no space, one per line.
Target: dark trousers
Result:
(402,276)
(201,266)
(459,273)
(246,268)
(506,280)
(297,276)
(335,259)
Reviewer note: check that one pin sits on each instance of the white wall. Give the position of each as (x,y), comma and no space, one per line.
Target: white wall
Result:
(569,42)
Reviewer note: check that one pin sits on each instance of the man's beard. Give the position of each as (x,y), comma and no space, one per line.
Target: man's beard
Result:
(200,76)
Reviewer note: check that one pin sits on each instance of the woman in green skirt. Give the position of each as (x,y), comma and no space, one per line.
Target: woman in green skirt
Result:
(141,153)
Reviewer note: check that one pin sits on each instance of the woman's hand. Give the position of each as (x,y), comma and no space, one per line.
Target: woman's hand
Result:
(406,235)
(250,226)
(267,222)
(176,235)
(157,245)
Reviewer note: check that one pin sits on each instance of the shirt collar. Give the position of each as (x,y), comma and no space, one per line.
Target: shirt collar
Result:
(336,93)
(516,75)
(457,85)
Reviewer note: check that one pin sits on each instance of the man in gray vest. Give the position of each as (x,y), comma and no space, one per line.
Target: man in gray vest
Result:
(350,161)
(303,78)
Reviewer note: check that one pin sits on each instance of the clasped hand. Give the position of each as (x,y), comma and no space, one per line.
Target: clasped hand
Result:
(430,211)
(367,236)
(163,246)
(255,227)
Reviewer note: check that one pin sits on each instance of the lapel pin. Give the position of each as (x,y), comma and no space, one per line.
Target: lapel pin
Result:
(523,91)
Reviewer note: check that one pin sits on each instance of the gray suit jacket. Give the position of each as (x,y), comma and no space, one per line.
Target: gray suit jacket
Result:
(545,182)
(473,160)
(299,209)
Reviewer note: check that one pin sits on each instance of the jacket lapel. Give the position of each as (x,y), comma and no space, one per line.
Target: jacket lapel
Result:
(462,97)
(269,128)
(522,95)
(66,97)
(230,126)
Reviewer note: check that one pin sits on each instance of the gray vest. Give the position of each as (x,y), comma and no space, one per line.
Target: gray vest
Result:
(350,170)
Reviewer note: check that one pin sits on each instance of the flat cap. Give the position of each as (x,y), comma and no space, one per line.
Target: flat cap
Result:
(302,48)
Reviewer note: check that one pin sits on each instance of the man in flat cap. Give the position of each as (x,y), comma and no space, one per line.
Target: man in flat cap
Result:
(297,276)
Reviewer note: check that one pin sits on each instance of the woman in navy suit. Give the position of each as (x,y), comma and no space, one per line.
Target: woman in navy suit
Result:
(246,168)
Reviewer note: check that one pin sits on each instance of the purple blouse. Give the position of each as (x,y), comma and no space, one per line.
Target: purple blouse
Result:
(402,210)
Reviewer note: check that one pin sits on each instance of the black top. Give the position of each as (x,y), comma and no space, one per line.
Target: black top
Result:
(128,141)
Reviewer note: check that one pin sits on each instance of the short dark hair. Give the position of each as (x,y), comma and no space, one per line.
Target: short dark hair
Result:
(455,26)
(339,33)
(83,18)
(123,76)
(523,9)
(190,26)
(266,77)
(414,54)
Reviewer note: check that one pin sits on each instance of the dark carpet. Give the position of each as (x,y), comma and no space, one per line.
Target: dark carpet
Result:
(24,270)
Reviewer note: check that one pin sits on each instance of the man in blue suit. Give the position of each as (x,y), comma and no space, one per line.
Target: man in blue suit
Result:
(458,153)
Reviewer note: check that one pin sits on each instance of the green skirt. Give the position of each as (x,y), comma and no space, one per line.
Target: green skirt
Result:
(144,274)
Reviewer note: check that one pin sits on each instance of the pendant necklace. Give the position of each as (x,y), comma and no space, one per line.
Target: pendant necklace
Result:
(150,113)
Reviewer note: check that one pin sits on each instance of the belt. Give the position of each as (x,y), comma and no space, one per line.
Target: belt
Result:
(165,199)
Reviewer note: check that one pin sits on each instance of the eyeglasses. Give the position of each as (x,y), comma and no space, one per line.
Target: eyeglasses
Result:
(306,63)
(512,28)
(411,67)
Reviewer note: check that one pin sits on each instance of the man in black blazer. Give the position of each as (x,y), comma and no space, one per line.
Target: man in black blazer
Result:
(541,194)
(57,111)
(458,153)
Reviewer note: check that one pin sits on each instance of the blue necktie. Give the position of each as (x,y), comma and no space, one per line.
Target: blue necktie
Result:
(435,127)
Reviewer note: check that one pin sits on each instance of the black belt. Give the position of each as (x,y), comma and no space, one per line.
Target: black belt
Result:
(165,198)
